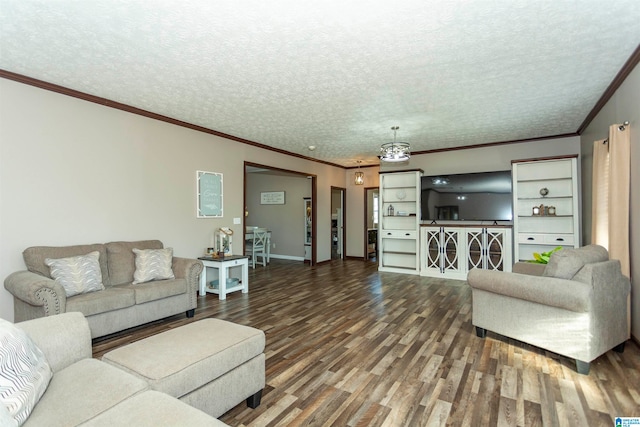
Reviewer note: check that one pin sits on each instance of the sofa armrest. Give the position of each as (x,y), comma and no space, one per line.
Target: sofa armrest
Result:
(530,268)
(37,290)
(566,294)
(610,302)
(189,269)
(64,339)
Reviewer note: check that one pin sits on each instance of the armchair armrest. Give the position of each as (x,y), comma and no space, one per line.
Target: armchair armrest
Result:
(64,339)
(530,268)
(37,290)
(566,294)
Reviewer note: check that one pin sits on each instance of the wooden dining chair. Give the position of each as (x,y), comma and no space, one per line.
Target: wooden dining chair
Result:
(257,247)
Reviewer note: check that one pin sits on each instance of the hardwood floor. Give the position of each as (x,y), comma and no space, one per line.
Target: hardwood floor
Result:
(349,346)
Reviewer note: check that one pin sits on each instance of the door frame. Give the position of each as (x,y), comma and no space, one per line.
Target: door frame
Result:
(343,205)
(366,219)
(314,198)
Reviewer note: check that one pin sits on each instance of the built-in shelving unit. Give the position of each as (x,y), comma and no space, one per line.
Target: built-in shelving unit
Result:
(546,207)
(399,221)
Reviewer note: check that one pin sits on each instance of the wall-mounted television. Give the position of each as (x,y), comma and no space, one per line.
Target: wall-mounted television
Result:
(482,196)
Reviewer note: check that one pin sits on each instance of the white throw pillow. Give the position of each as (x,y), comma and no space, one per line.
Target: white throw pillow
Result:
(153,264)
(6,420)
(78,274)
(24,372)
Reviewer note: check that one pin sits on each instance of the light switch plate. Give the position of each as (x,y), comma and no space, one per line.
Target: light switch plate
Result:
(237,220)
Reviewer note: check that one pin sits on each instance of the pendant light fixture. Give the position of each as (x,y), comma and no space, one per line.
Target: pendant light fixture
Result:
(395,151)
(359,179)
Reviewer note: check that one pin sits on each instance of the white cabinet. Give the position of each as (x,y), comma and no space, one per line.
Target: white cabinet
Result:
(399,221)
(545,203)
(451,251)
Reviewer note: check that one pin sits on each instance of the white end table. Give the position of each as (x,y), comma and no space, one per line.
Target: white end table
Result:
(224,264)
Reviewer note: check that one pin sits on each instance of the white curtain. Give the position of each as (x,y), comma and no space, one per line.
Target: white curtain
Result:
(611,186)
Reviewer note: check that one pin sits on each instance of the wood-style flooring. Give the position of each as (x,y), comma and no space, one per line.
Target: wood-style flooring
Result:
(350,346)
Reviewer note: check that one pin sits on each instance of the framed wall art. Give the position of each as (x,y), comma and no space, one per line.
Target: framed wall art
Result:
(272,198)
(209,194)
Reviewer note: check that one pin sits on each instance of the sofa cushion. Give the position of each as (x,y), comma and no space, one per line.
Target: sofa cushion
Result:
(34,258)
(153,409)
(121,259)
(151,291)
(184,359)
(153,264)
(564,264)
(99,302)
(81,391)
(78,274)
(24,372)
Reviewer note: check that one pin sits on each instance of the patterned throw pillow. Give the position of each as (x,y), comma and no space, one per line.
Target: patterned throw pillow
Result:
(78,274)
(153,264)
(24,372)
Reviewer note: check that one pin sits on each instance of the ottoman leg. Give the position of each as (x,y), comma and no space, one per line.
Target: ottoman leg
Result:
(191,313)
(253,401)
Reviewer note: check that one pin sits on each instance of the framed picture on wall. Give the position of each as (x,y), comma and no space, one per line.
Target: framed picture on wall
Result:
(272,198)
(209,194)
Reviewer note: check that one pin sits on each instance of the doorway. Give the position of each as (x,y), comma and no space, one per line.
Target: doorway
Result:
(292,232)
(371,218)
(338,216)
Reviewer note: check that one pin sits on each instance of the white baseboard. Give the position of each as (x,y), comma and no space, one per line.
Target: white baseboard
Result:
(289,257)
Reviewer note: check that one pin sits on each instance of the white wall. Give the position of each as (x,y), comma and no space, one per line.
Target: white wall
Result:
(623,106)
(74,172)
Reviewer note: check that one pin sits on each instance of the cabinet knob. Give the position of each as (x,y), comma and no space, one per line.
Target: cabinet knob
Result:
(407,234)
(559,239)
(530,238)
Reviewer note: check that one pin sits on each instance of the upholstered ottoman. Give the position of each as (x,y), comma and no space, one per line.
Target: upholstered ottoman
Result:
(210,364)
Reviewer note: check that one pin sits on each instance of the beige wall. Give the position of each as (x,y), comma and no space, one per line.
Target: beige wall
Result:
(286,222)
(446,162)
(354,206)
(74,172)
(486,159)
(623,106)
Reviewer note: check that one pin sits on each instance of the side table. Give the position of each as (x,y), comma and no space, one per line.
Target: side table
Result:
(223,265)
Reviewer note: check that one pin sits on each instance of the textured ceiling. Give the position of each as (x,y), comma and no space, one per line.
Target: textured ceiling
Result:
(334,74)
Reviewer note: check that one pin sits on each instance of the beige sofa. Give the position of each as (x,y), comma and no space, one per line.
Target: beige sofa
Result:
(87,392)
(120,305)
(575,306)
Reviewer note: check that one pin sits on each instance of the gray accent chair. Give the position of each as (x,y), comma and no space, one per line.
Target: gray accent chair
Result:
(575,306)
(120,305)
